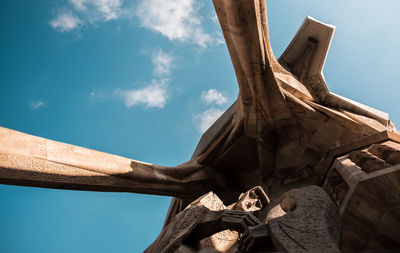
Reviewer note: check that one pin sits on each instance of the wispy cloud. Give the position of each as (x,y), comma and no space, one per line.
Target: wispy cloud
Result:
(98,95)
(36,105)
(81,12)
(65,22)
(219,38)
(205,119)
(153,95)
(213,96)
(98,10)
(214,18)
(162,63)
(176,19)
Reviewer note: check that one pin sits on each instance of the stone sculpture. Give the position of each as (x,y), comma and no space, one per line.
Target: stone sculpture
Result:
(323,171)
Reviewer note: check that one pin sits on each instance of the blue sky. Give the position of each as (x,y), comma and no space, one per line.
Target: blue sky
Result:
(143,79)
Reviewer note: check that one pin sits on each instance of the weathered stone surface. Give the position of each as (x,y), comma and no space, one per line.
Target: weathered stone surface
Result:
(33,161)
(311,225)
(173,235)
(195,223)
(366,185)
(227,241)
(288,203)
(307,52)
(283,132)
(209,200)
(221,241)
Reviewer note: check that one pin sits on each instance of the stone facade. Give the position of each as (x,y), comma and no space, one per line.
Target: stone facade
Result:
(289,167)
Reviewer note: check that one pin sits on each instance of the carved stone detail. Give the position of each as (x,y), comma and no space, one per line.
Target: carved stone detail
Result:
(365,184)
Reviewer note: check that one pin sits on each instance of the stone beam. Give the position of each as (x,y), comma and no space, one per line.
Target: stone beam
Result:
(244,24)
(34,161)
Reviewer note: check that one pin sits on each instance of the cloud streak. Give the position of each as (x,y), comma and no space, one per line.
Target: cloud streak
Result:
(36,105)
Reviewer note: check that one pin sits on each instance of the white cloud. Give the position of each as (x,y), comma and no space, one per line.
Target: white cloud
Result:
(162,63)
(36,105)
(175,19)
(213,96)
(153,95)
(79,5)
(205,119)
(98,10)
(65,22)
(86,11)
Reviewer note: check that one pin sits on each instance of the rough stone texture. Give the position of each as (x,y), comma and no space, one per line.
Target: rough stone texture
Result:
(33,161)
(206,224)
(221,241)
(173,235)
(209,200)
(283,132)
(224,241)
(227,241)
(312,224)
(365,184)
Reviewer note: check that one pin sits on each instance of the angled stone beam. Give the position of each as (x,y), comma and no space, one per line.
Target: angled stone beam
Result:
(261,107)
(244,24)
(305,58)
(264,81)
(33,161)
(306,55)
